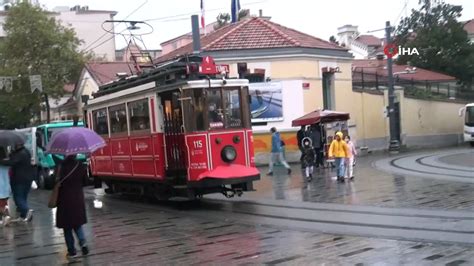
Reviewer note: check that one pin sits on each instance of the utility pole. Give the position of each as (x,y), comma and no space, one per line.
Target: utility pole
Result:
(393,115)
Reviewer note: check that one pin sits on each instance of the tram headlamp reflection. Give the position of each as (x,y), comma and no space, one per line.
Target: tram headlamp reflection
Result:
(228,154)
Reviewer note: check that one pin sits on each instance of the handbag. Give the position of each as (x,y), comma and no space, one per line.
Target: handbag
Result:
(53,198)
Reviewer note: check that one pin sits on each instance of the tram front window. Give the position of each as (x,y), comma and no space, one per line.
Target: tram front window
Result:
(232,110)
(215,114)
(224,109)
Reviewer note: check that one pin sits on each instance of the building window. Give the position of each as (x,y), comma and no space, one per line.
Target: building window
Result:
(255,77)
(328,91)
(118,119)
(139,115)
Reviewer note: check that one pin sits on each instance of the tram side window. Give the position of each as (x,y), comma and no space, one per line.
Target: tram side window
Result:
(215,114)
(233,112)
(118,119)
(100,121)
(139,115)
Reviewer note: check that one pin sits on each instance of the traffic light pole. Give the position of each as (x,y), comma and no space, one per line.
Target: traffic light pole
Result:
(394,145)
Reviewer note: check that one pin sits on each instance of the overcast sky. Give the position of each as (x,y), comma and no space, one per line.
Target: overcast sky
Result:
(316,17)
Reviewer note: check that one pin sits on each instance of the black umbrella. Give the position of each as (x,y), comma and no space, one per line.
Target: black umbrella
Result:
(11,138)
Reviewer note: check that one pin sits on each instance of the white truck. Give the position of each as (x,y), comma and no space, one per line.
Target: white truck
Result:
(468,113)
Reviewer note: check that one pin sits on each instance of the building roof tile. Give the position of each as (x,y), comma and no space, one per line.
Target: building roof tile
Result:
(104,72)
(369,40)
(253,33)
(469,26)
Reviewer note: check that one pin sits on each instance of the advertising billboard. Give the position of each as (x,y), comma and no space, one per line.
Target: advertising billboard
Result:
(267,102)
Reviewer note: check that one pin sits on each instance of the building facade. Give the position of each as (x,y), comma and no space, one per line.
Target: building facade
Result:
(301,73)
(361,46)
(88,27)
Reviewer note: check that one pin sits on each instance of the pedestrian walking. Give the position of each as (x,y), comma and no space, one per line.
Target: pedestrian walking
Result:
(317,144)
(22,177)
(308,158)
(283,150)
(299,138)
(71,209)
(339,151)
(351,158)
(5,190)
(276,152)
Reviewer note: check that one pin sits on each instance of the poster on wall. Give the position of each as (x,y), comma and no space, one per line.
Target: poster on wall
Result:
(267,102)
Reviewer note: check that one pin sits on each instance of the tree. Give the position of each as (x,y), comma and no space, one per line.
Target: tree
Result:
(35,44)
(333,40)
(224,18)
(440,39)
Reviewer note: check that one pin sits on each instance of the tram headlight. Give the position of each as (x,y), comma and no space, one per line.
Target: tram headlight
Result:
(228,154)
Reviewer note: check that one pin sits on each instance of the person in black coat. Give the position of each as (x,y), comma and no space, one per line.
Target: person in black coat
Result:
(71,212)
(299,138)
(308,157)
(23,174)
(317,144)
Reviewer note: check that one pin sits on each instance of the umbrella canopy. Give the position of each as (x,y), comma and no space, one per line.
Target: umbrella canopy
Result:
(320,116)
(75,140)
(11,138)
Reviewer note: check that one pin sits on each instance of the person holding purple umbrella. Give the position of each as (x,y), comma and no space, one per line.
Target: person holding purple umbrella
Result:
(71,208)
(71,211)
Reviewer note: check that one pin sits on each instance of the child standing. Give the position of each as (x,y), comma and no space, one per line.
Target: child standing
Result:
(351,157)
(308,158)
(339,151)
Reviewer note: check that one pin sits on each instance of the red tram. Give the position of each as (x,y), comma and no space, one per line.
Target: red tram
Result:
(174,131)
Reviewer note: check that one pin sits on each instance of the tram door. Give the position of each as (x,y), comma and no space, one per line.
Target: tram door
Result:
(174,137)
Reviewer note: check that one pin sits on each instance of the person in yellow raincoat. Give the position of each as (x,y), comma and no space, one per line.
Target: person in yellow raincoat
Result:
(339,151)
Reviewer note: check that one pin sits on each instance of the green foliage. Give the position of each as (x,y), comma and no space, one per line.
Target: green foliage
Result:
(440,39)
(35,44)
(224,18)
(333,40)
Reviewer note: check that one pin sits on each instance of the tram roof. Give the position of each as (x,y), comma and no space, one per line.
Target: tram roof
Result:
(169,72)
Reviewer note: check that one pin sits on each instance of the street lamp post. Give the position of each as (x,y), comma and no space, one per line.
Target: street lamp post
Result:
(394,145)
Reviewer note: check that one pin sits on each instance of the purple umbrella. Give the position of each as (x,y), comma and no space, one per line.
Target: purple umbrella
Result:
(75,140)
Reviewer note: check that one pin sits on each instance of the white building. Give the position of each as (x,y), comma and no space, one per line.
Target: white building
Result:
(88,26)
(361,46)
(86,23)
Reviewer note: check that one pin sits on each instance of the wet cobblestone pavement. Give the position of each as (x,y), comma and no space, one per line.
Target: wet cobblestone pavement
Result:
(251,230)
(376,187)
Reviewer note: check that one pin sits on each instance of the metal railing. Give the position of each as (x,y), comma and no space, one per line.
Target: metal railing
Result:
(424,89)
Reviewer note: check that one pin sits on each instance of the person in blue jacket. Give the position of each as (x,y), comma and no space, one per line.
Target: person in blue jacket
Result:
(276,153)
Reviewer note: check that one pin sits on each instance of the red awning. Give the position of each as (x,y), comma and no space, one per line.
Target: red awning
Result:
(320,116)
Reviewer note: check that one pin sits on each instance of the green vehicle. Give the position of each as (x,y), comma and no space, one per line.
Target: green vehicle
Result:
(37,139)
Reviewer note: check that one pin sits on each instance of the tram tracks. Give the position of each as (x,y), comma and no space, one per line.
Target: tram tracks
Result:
(379,222)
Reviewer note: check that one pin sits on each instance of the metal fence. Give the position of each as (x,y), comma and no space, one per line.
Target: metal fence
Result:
(425,89)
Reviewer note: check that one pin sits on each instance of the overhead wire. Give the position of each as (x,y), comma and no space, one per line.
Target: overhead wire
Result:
(178,17)
(103,35)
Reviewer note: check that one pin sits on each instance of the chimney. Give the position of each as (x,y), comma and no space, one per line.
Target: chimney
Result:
(260,13)
(196,34)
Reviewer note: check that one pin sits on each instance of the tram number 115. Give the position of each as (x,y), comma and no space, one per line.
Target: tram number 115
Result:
(197,144)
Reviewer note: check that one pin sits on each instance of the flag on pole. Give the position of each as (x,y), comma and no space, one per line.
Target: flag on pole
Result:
(203,22)
(235,8)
